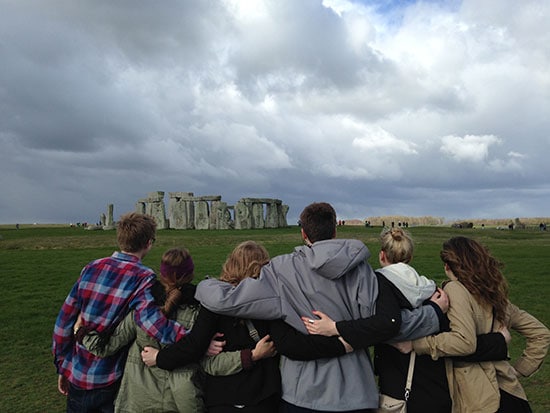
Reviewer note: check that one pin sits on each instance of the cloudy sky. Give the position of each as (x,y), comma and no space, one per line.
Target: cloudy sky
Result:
(380,107)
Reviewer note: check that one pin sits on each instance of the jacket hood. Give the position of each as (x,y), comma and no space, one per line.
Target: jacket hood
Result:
(335,257)
(416,288)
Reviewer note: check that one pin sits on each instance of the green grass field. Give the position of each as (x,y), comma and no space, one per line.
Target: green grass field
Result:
(38,266)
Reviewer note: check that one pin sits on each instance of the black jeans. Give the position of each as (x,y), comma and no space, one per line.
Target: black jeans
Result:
(100,400)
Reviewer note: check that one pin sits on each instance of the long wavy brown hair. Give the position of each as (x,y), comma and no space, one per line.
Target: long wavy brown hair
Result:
(246,260)
(173,281)
(480,272)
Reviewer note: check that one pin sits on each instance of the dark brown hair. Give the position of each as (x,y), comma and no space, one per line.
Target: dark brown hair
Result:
(318,220)
(172,281)
(480,272)
(246,260)
(134,231)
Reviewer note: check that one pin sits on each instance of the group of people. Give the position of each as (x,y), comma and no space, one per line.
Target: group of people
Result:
(292,333)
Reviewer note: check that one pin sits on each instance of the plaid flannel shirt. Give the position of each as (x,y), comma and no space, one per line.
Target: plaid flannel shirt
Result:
(107,290)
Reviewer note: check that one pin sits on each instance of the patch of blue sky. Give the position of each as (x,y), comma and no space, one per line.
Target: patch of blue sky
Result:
(394,10)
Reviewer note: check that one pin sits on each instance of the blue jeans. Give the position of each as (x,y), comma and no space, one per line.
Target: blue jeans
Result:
(100,400)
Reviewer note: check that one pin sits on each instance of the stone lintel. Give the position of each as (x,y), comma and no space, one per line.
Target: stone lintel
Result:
(180,194)
(188,196)
(208,198)
(261,200)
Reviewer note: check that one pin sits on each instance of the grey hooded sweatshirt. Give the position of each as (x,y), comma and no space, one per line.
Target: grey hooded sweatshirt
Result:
(332,276)
(416,288)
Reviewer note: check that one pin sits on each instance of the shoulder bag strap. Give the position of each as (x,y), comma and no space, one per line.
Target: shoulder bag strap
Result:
(252,331)
(408,385)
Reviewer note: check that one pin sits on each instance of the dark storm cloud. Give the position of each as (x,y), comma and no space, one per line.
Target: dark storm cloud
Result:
(412,108)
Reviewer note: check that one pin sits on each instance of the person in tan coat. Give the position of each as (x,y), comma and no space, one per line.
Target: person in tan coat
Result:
(478,295)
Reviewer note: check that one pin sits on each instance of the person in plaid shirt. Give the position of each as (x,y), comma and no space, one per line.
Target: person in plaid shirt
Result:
(107,290)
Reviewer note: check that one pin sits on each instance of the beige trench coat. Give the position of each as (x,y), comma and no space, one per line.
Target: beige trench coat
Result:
(474,387)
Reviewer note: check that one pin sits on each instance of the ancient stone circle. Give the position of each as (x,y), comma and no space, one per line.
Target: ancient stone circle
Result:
(186,211)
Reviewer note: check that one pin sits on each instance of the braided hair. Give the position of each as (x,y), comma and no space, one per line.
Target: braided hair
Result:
(176,270)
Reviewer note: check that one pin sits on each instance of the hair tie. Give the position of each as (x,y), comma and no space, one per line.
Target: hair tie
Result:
(185,268)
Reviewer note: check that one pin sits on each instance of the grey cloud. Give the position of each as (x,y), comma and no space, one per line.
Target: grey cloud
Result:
(102,102)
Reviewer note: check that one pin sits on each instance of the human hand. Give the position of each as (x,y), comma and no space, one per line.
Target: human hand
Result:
(404,347)
(216,345)
(264,348)
(63,385)
(506,333)
(347,346)
(149,356)
(79,323)
(324,326)
(440,298)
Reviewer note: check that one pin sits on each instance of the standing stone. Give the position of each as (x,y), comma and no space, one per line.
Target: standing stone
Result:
(242,215)
(213,217)
(154,206)
(223,216)
(109,221)
(189,211)
(282,217)
(272,214)
(201,215)
(258,220)
(140,206)
(180,210)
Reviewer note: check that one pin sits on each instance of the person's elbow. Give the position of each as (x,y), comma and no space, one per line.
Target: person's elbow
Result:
(394,324)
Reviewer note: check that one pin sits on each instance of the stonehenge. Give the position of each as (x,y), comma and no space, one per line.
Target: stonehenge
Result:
(187,211)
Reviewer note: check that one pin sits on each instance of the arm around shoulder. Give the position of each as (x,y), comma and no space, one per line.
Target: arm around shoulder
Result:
(378,328)
(490,347)
(461,339)
(419,322)
(293,344)
(150,319)
(193,346)
(224,364)
(123,335)
(251,298)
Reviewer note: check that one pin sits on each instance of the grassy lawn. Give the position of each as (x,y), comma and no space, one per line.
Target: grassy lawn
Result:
(38,266)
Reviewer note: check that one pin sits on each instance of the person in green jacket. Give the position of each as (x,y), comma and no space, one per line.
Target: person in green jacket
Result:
(151,389)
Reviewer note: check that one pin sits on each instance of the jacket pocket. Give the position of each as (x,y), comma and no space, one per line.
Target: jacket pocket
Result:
(475,388)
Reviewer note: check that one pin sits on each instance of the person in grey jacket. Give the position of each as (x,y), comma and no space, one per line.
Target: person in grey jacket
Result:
(327,273)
